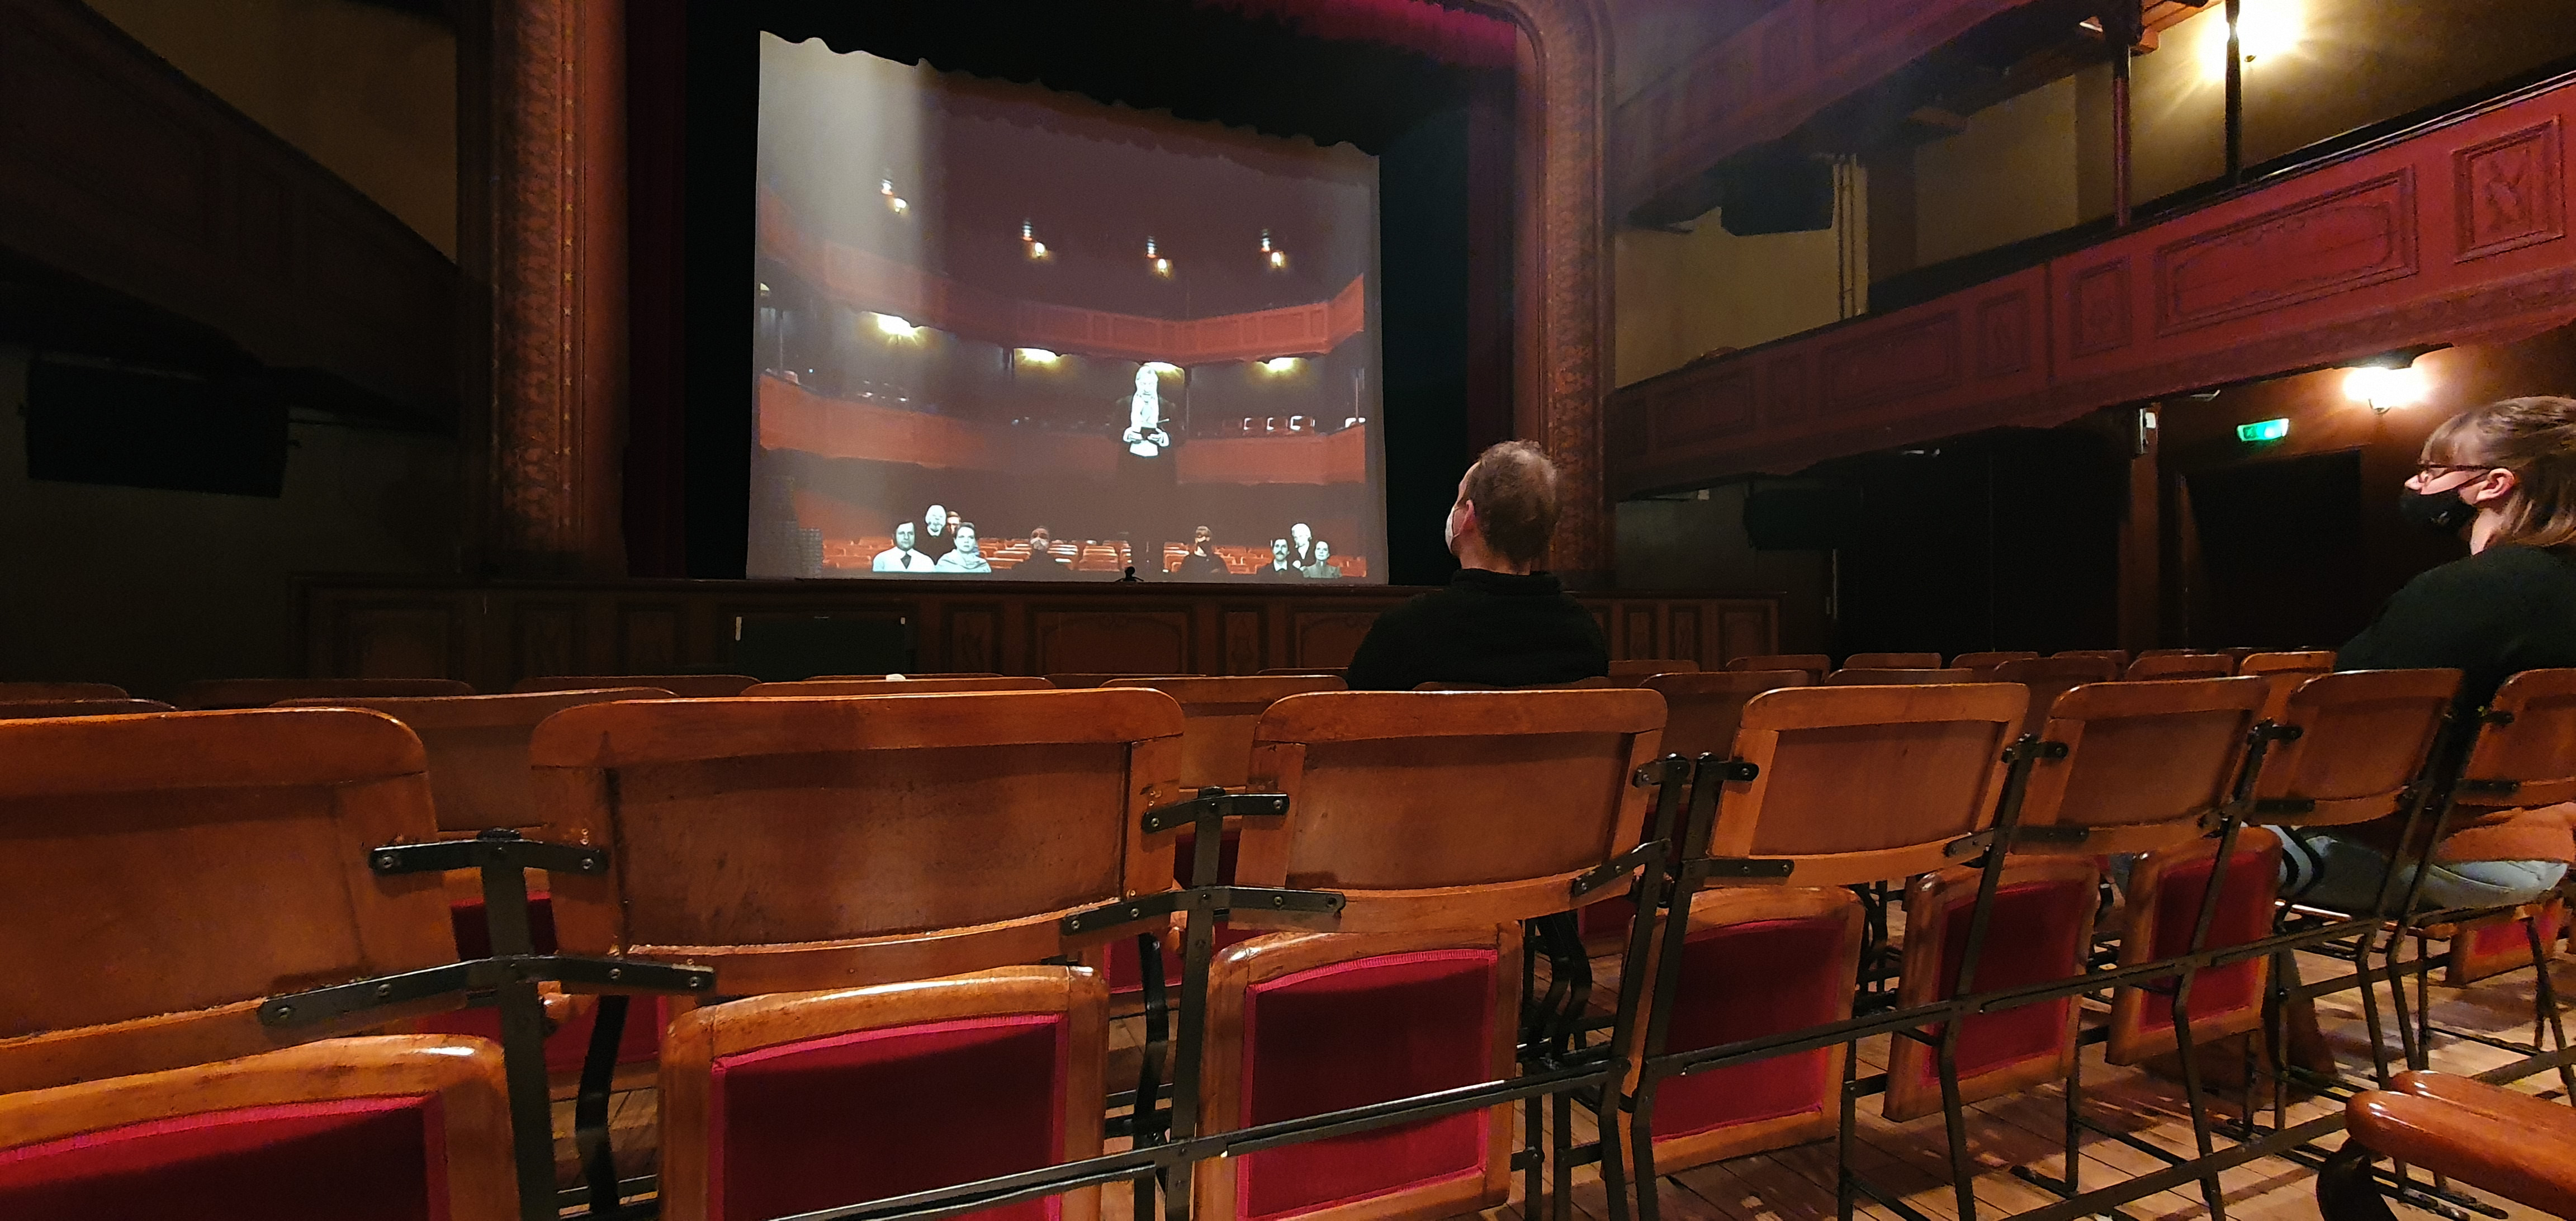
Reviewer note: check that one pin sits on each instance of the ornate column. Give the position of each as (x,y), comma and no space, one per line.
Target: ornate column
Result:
(552,248)
(1561,330)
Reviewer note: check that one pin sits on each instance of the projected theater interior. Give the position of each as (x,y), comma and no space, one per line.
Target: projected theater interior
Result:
(1006,332)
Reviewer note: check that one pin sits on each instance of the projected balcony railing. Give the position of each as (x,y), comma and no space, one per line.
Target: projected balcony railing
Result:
(792,417)
(870,281)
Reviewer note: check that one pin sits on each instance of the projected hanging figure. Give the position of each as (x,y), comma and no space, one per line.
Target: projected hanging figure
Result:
(1145,437)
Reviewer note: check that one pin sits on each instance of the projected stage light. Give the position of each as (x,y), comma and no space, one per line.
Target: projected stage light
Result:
(1036,356)
(1154,259)
(895,203)
(1163,368)
(896,328)
(1277,258)
(1280,364)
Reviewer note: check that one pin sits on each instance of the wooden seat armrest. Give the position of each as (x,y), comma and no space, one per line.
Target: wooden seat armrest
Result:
(2511,1144)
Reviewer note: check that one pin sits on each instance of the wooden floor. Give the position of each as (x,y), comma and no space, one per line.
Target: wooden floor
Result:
(1910,1160)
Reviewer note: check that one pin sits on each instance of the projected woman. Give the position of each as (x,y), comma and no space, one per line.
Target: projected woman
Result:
(1146,483)
(1145,437)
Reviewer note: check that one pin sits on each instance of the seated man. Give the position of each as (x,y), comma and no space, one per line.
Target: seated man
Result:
(901,557)
(965,558)
(1322,569)
(1203,563)
(1498,624)
(1282,567)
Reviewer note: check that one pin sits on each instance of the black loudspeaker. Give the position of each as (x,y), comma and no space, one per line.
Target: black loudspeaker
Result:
(1808,518)
(1774,192)
(97,423)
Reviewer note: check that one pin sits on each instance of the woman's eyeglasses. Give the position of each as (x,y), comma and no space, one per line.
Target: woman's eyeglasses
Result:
(2435,470)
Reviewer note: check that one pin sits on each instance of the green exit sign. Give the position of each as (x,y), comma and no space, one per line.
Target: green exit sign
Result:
(2263,430)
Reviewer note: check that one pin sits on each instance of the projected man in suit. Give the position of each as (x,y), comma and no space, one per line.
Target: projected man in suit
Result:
(965,558)
(901,557)
(1147,484)
(1322,569)
(1281,567)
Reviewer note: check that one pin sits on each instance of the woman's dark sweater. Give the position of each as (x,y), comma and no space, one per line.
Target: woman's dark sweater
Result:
(1491,629)
(2501,611)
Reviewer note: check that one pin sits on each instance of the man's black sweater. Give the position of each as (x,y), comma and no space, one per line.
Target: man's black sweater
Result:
(1487,628)
(2501,611)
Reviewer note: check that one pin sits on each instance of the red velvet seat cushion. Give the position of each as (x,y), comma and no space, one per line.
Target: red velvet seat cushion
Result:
(2036,933)
(474,937)
(2244,914)
(1354,1033)
(381,1159)
(1126,975)
(1745,981)
(855,1117)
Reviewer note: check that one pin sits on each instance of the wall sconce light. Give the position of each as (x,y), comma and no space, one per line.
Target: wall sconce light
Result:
(2386,389)
(1029,243)
(1273,255)
(894,203)
(1280,364)
(1035,356)
(1163,368)
(1154,259)
(2263,27)
(893,327)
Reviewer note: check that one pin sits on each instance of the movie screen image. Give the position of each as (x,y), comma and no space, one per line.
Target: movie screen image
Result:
(1009,333)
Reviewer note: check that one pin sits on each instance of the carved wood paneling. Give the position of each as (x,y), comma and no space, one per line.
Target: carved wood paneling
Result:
(546,638)
(1243,641)
(1110,641)
(2447,234)
(648,639)
(972,633)
(1638,637)
(1327,638)
(1682,624)
(392,640)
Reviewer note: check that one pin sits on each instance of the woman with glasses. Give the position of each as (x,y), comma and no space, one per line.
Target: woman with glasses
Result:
(2502,477)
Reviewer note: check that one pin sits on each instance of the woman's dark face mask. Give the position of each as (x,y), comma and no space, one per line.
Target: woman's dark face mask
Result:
(2442,512)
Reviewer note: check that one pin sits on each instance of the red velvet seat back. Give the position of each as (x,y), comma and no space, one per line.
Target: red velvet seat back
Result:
(2225,1000)
(381,1158)
(1354,1033)
(1748,981)
(852,1117)
(2038,931)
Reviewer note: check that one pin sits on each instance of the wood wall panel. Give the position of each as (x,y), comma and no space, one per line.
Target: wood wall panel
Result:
(494,634)
(2454,232)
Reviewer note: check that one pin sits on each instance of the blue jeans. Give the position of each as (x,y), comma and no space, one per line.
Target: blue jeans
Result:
(2348,876)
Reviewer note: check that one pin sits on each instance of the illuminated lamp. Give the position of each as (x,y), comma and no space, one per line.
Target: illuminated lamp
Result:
(1280,364)
(2386,388)
(1163,368)
(1277,258)
(896,328)
(1154,259)
(885,187)
(1036,356)
(2263,27)
(1036,249)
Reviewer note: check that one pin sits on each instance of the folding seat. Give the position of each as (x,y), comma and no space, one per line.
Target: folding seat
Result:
(895,686)
(1984,663)
(1815,664)
(15,692)
(28,710)
(2120,768)
(2522,759)
(2119,658)
(1217,718)
(686,686)
(1628,672)
(267,692)
(2180,665)
(477,749)
(1892,661)
(1850,676)
(2285,671)
(1828,788)
(2486,1136)
(1442,820)
(199,865)
(2351,747)
(1332,671)
(2046,678)
(1076,682)
(941,674)
(806,845)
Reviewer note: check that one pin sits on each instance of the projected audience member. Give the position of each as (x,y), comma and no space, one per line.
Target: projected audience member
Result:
(1301,544)
(1203,563)
(965,558)
(1498,623)
(935,521)
(1042,565)
(1281,568)
(1322,569)
(901,557)
(1145,437)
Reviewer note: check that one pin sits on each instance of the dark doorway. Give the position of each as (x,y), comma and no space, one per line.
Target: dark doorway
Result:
(2280,553)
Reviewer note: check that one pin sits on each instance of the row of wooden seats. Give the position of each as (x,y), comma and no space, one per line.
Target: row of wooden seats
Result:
(680,757)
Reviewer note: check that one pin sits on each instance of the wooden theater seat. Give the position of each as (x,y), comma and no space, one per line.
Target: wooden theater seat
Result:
(2491,1138)
(849,850)
(1815,664)
(2180,665)
(843,678)
(1217,719)
(17,692)
(2119,658)
(686,686)
(2284,672)
(215,859)
(2522,760)
(2047,678)
(1856,676)
(390,1126)
(1081,682)
(28,710)
(895,686)
(1443,819)
(266,692)
(1846,786)
(1985,663)
(2145,768)
(1892,661)
(1284,671)
(1702,710)
(1635,668)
